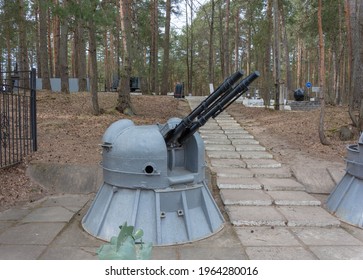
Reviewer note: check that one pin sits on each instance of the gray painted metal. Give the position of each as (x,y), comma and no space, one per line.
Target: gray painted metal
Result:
(161,190)
(346,200)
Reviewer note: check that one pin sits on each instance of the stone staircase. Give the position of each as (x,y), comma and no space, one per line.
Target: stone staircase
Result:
(256,189)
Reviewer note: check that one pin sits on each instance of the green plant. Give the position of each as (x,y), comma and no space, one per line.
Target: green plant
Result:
(126,246)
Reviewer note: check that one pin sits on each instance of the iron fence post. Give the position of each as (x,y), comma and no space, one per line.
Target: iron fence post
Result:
(33,108)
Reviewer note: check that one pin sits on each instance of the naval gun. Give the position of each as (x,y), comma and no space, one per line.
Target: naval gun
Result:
(154,175)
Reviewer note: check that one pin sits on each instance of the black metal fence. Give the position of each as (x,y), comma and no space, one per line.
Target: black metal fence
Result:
(18,125)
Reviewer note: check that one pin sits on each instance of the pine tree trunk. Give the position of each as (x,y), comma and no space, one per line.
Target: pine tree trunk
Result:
(277,54)
(267,56)
(37,43)
(50,49)
(56,42)
(357,64)
(236,42)
(23,50)
(81,54)
(165,75)
(63,57)
(93,66)
(124,104)
(154,45)
(221,41)
(43,44)
(211,49)
(226,41)
(322,137)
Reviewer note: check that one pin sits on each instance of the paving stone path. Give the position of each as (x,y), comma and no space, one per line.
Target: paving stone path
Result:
(273,215)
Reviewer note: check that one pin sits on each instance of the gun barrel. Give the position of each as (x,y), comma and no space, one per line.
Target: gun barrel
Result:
(219,106)
(223,89)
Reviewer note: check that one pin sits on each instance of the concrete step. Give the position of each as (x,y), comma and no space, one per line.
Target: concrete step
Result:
(262,163)
(291,216)
(213,136)
(255,216)
(217,141)
(228,163)
(239,136)
(210,131)
(223,155)
(293,198)
(280,184)
(245,197)
(281,172)
(232,172)
(245,141)
(237,183)
(215,147)
(234,130)
(307,216)
(261,198)
(242,148)
(255,155)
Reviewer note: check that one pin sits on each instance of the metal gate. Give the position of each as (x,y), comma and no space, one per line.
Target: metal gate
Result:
(18,126)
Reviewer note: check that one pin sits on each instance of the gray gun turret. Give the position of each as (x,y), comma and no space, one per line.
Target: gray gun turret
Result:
(211,107)
(154,175)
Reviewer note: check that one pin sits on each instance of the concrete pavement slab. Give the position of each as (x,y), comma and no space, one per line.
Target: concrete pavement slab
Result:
(213,136)
(225,155)
(245,141)
(338,252)
(212,147)
(241,148)
(233,128)
(212,253)
(293,198)
(74,235)
(279,253)
(281,172)
(262,163)
(21,252)
(31,233)
(266,236)
(245,197)
(353,230)
(69,253)
(49,214)
(317,180)
(69,201)
(336,174)
(255,155)
(237,183)
(232,172)
(5,225)
(210,131)
(255,216)
(165,253)
(280,184)
(226,120)
(14,214)
(216,141)
(240,136)
(211,125)
(310,216)
(235,131)
(228,163)
(317,236)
